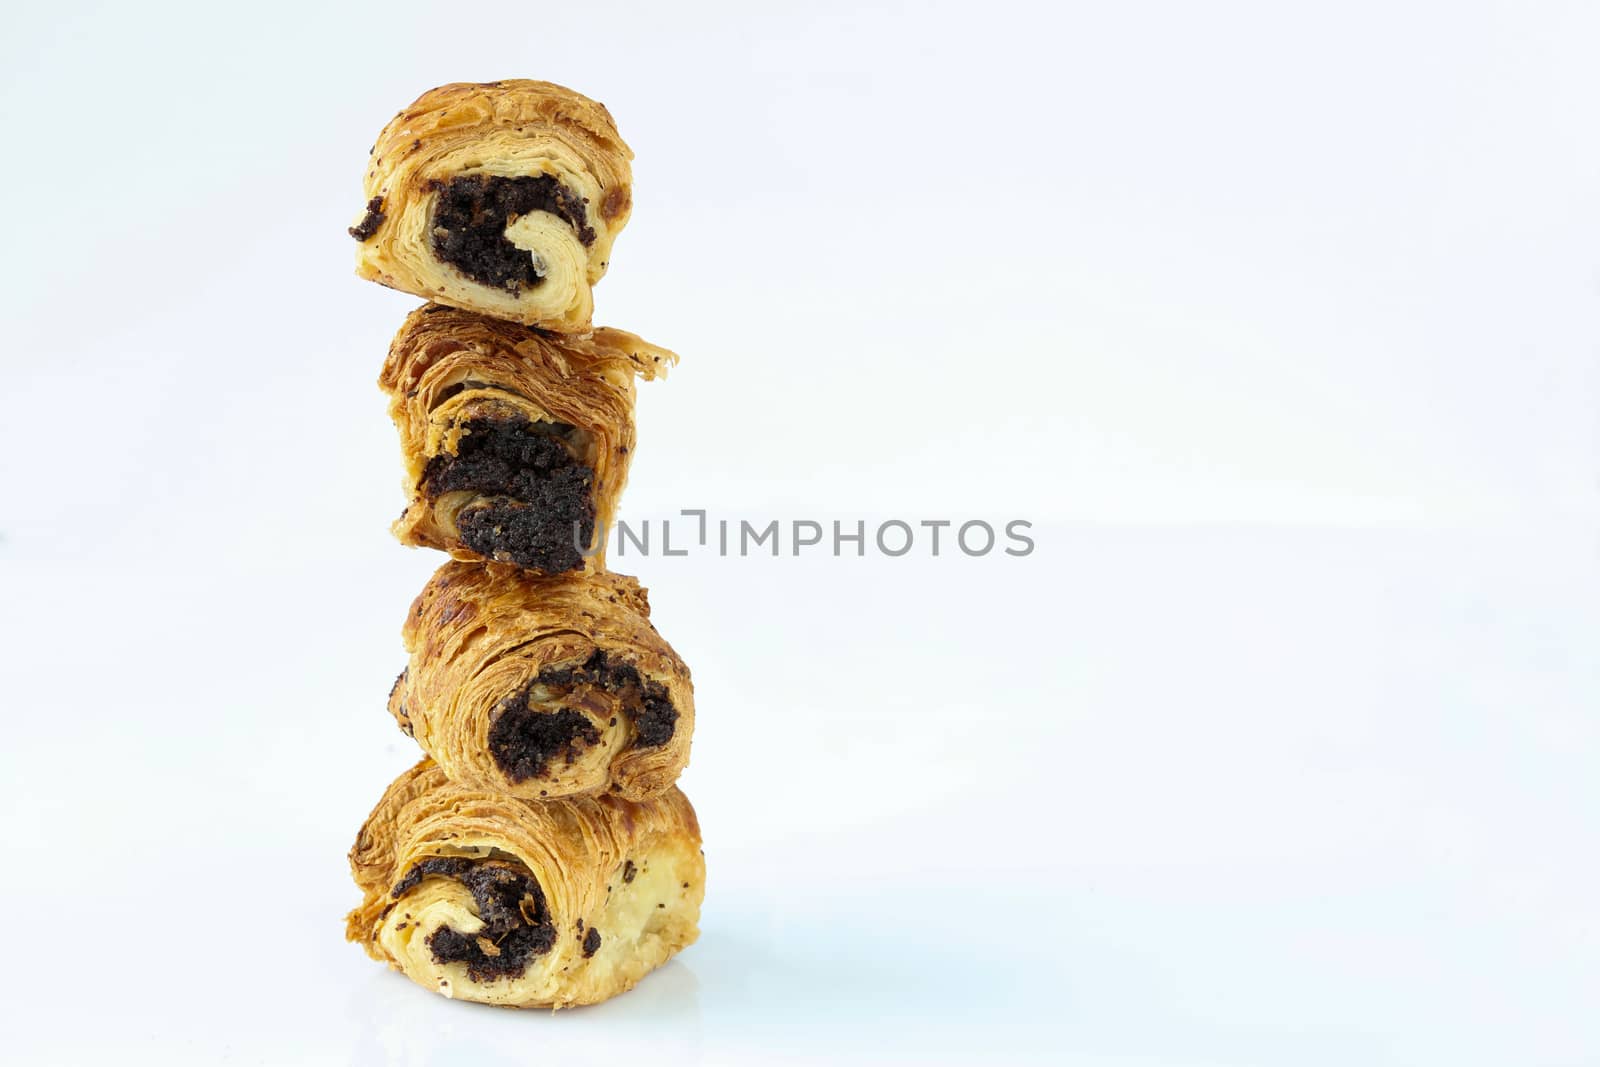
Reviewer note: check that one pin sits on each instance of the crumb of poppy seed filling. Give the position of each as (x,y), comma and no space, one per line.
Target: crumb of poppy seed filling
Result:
(516,918)
(363,230)
(591,942)
(524,741)
(655,722)
(551,507)
(628,870)
(470,216)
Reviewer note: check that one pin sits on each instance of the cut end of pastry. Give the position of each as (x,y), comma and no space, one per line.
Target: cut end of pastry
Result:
(511,921)
(483,930)
(543,687)
(517,440)
(564,728)
(472,215)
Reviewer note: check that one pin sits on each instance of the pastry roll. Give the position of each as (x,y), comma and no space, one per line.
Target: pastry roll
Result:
(490,898)
(543,686)
(502,197)
(516,442)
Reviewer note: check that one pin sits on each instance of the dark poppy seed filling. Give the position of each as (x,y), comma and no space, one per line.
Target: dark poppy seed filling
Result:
(524,740)
(655,720)
(516,918)
(591,942)
(404,716)
(363,230)
(547,505)
(470,216)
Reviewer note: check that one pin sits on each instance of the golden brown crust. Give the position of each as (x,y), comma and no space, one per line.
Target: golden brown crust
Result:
(512,128)
(447,368)
(619,886)
(488,640)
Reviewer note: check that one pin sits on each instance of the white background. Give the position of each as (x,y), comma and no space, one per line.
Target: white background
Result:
(1277,320)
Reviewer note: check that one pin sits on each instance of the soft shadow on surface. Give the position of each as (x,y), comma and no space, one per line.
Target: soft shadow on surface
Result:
(397,1022)
(895,980)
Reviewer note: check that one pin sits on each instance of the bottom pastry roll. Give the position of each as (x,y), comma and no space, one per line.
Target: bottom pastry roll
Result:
(485,897)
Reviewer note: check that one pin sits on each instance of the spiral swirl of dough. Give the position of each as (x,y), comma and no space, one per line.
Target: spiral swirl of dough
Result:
(543,686)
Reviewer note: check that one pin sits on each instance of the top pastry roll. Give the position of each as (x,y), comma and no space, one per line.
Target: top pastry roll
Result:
(502,198)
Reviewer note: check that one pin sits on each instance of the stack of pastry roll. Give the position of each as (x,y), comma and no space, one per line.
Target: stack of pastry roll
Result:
(541,853)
